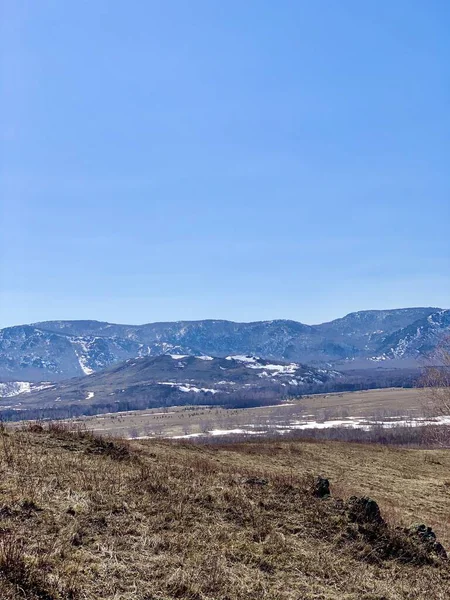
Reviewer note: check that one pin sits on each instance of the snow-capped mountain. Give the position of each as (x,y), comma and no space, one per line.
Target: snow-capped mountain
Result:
(56,350)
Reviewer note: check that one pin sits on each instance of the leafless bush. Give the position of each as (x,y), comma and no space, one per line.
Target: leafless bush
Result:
(436,380)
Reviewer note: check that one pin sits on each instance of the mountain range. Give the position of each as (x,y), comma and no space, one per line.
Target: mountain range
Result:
(56,350)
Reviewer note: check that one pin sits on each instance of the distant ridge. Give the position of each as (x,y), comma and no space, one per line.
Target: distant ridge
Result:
(56,350)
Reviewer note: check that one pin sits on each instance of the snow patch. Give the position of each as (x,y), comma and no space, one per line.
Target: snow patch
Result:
(191,388)
(276,369)
(14,388)
(187,387)
(83,355)
(243,358)
(231,431)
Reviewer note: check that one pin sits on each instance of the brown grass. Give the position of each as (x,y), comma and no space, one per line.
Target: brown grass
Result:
(84,518)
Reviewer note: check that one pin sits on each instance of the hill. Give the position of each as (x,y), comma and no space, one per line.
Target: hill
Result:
(95,519)
(57,350)
(169,380)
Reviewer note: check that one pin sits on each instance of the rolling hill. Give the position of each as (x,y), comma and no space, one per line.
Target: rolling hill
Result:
(168,380)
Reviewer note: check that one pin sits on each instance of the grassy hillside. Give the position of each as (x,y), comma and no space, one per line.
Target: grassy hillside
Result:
(82,517)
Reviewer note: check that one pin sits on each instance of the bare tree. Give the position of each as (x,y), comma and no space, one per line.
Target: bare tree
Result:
(133,433)
(205,426)
(436,380)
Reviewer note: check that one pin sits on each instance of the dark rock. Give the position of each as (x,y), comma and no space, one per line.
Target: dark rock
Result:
(426,534)
(440,550)
(256,481)
(77,539)
(5,511)
(322,488)
(364,510)
(427,537)
(29,506)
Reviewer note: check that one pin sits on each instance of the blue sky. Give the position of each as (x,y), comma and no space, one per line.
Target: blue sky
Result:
(203,159)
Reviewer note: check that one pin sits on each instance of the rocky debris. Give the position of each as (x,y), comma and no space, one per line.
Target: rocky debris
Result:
(377,541)
(372,538)
(322,488)
(427,537)
(364,510)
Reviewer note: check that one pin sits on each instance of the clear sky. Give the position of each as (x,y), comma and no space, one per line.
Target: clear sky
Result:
(239,159)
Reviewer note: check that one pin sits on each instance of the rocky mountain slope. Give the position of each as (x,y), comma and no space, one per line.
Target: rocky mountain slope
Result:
(56,350)
(168,380)
(418,339)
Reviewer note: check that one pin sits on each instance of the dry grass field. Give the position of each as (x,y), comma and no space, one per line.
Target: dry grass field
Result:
(180,421)
(84,517)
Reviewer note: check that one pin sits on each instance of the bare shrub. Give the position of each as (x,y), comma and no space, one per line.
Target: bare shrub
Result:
(436,380)
(33,426)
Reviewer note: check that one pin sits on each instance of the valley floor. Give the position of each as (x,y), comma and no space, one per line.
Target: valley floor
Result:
(391,406)
(87,518)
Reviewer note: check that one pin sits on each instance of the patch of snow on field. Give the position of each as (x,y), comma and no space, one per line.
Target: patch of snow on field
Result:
(205,357)
(213,432)
(352,422)
(90,395)
(178,356)
(367,424)
(324,424)
(234,431)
